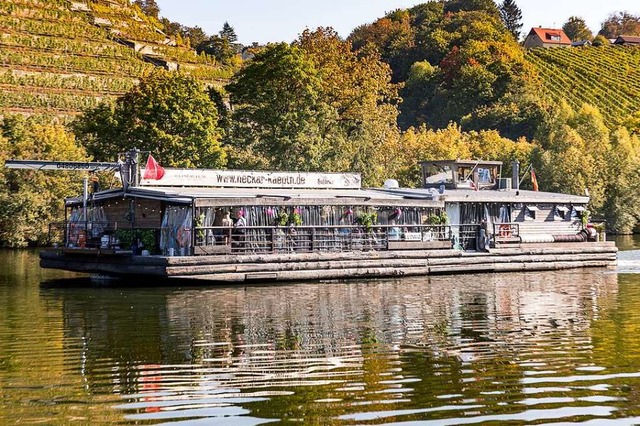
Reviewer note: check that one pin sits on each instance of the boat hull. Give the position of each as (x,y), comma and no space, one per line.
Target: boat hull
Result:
(338,265)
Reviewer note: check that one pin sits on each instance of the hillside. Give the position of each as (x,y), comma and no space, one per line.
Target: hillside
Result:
(607,77)
(60,56)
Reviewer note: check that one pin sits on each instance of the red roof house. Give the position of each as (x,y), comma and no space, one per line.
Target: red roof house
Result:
(547,37)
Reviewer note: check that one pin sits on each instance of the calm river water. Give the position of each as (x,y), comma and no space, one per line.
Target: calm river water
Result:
(553,348)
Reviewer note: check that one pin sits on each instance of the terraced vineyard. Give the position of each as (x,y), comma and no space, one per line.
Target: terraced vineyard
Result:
(62,56)
(607,77)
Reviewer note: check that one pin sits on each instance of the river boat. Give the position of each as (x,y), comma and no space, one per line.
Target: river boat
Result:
(240,226)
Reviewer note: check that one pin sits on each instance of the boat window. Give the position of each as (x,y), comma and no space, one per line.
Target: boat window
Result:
(438,174)
(576,211)
(561,212)
(530,212)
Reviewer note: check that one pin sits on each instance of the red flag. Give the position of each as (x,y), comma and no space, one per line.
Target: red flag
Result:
(473,185)
(153,170)
(534,181)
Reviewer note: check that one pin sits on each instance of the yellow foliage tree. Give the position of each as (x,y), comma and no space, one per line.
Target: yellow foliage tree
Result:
(30,200)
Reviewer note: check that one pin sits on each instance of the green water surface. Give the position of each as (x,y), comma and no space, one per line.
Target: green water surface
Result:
(535,348)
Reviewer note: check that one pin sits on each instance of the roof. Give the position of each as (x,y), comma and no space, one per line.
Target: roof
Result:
(624,39)
(499,196)
(462,163)
(549,35)
(201,196)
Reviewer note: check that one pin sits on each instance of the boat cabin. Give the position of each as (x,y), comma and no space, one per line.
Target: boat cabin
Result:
(463,205)
(238,226)
(207,212)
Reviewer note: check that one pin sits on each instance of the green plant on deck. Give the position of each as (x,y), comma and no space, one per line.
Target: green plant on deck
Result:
(584,218)
(199,225)
(146,236)
(282,219)
(438,219)
(367,220)
(296,219)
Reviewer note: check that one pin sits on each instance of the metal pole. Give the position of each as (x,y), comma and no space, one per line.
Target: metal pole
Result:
(515,174)
(85,198)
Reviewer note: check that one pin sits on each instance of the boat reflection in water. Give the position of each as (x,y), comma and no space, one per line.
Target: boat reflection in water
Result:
(539,347)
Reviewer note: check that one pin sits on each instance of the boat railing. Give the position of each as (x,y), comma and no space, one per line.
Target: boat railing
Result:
(94,234)
(283,239)
(258,239)
(506,232)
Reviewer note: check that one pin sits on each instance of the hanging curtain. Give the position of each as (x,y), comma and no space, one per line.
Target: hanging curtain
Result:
(175,231)
(453,212)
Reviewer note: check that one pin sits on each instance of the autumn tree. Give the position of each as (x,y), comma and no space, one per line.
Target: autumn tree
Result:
(30,200)
(484,6)
(511,17)
(390,36)
(168,114)
(601,40)
(621,23)
(574,154)
(450,142)
(476,76)
(576,29)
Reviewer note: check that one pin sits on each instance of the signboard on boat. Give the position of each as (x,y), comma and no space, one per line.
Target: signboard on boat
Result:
(251,179)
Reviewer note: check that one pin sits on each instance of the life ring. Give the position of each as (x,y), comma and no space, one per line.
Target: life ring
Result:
(73,233)
(180,235)
(505,230)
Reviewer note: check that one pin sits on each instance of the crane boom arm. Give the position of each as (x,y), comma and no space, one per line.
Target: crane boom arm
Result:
(61,165)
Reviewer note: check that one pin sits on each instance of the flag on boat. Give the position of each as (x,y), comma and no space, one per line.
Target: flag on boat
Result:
(153,170)
(534,180)
(473,184)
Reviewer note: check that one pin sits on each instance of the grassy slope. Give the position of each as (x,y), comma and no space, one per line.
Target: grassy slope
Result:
(57,60)
(607,77)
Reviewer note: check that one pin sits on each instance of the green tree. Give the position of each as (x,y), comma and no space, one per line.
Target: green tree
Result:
(574,154)
(576,29)
(485,6)
(170,27)
(149,7)
(601,40)
(623,185)
(167,113)
(274,99)
(218,47)
(315,105)
(511,17)
(229,33)
(620,23)
(196,35)
(29,199)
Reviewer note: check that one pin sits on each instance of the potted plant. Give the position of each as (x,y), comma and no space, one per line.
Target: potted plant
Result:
(296,218)
(282,219)
(367,220)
